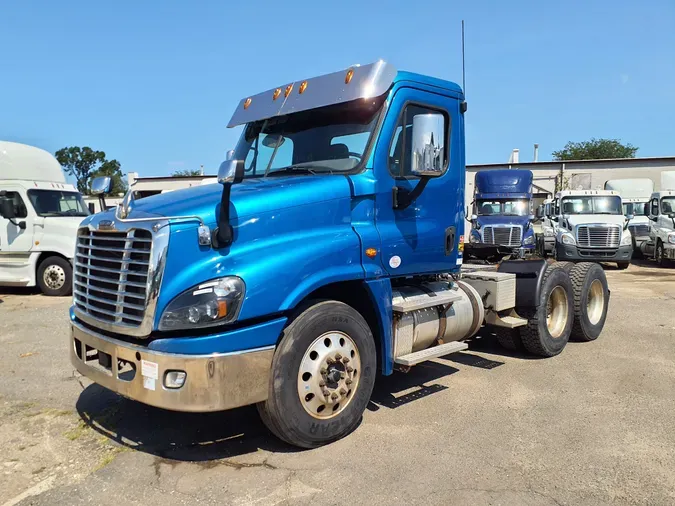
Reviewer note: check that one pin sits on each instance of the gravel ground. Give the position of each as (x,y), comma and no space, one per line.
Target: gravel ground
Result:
(591,426)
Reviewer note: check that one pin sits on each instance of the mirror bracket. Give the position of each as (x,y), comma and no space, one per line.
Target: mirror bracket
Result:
(402,197)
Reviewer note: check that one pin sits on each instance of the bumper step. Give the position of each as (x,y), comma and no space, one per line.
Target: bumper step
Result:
(429,353)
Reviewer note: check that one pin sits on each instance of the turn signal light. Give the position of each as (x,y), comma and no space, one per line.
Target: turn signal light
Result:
(371,252)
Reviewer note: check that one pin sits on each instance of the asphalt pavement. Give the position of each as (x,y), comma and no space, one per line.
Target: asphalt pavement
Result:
(593,425)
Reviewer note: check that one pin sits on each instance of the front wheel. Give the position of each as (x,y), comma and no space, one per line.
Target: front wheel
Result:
(55,276)
(323,373)
(622,265)
(660,255)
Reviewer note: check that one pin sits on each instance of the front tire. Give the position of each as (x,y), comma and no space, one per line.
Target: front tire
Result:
(549,325)
(323,373)
(660,254)
(55,276)
(591,300)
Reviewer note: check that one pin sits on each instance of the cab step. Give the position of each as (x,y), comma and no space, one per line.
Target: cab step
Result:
(429,353)
(424,300)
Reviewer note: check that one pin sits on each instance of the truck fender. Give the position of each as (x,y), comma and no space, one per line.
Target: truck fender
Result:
(529,274)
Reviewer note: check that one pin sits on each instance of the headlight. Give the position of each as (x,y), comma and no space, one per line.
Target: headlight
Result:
(568,239)
(549,232)
(473,239)
(626,240)
(529,240)
(211,303)
(671,238)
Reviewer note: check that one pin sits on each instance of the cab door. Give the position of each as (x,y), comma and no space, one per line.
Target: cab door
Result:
(13,237)
(424,236)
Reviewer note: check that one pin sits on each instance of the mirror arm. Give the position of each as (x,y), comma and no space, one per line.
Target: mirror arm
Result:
(223,235)
(101,202)
(402,197)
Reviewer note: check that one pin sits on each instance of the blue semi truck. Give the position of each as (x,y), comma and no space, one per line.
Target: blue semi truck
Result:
(502,219)
(329,252)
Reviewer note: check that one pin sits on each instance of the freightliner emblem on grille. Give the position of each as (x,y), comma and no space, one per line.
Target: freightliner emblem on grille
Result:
(106,225)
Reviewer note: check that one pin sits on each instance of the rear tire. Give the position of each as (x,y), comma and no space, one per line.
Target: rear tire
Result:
(591,300)
(328,348)
(550,324)
(55,277)
(508,338)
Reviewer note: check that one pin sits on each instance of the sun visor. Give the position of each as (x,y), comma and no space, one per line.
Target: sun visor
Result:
(364,81)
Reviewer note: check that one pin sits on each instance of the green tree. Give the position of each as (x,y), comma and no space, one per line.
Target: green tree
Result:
(85,163)
(595,149)
(187,172)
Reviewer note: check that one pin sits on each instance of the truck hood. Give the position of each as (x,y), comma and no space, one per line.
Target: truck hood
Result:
(248,198)
(584,219)
(57,234)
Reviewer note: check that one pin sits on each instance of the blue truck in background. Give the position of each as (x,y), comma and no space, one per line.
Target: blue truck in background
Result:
(502,218)
(329,252)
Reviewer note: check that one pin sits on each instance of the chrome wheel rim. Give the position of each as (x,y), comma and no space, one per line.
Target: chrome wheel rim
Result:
(329,375)
(556,312)
(54,277)
(596,302)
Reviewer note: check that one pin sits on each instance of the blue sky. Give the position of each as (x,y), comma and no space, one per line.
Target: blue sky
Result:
(154,83)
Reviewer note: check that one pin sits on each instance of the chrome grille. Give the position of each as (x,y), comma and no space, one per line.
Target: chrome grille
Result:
(598,236)
(111,275)
(503,236)
(639,230)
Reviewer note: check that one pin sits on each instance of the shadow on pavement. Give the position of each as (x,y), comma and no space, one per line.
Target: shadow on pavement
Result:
(194,437)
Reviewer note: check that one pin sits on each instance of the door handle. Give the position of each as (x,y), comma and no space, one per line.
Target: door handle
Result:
(449,240)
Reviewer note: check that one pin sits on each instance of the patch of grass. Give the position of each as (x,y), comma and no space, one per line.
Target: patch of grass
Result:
(109,456)
(80,430)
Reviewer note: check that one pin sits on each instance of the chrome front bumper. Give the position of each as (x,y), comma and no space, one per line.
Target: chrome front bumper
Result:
(213,382)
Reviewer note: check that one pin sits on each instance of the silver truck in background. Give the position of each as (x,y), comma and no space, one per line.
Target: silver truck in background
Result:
(635,195)
(661,215)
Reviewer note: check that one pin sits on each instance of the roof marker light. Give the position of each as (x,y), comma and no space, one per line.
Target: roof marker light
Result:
(348,77)
(289,88)
(247,102)
(276,94)
(303,87)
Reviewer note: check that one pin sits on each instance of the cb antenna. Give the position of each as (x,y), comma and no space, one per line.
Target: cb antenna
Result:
(463,68)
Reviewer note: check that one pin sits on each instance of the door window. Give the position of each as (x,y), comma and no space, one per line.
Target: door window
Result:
(401,144)
(19,206)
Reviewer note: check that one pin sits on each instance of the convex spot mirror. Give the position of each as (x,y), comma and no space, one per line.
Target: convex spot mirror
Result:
(273,140)
(101,185)
(428,145)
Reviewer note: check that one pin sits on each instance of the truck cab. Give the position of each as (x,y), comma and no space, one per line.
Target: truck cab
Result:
(39,217)
(660,212)
(635,195)
(502,212)
(590,226)
(329,252)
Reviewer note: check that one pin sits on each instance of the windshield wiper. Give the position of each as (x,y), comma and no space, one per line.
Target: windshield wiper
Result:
(291,168)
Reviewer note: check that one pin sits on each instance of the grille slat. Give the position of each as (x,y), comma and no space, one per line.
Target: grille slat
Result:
(502,236)
(111,275)
(111,292)
(598,236)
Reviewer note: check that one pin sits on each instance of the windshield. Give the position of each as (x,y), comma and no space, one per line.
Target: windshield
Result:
(592,205)
(668,205)
(57,203)
(503,207)
(329,139)
(635,208)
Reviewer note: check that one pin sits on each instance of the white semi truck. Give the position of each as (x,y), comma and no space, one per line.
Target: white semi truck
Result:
(635,195)
(39,217)
(661,214)
(590,226)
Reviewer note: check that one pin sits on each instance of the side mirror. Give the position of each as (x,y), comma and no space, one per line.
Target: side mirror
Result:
(474,217)
(231,172)
(101,185)
(7,210)
(671,216)
(630,216)
(428,145)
